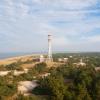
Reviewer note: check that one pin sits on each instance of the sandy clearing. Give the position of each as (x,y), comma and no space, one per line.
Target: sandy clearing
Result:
(26,86)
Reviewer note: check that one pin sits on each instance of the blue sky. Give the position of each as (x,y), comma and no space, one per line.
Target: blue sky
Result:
(25,24)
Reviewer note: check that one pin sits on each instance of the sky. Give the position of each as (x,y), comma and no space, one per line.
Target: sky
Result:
(25,25)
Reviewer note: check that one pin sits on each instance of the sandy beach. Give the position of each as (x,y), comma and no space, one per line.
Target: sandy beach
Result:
(15,59)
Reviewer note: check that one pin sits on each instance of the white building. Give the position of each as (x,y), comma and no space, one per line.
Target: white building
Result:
(81,63)
(62,59)
(42,59)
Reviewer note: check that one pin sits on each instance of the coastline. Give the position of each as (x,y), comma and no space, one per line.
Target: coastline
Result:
(10,60)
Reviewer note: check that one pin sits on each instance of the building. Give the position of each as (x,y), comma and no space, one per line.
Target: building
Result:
(63,60)
(81,63)
(42,59)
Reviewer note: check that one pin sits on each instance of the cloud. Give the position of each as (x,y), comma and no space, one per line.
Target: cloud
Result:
(72,22)
(69,4)
(94,39)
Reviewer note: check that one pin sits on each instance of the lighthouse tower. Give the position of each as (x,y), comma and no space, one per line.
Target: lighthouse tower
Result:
(50,48)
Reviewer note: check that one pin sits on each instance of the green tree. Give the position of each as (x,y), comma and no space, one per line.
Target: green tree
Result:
(55,87)
(82,93)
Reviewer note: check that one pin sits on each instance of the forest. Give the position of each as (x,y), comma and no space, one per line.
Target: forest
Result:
(65,82)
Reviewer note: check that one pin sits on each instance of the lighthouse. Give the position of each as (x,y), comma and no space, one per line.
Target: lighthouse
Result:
(50,48)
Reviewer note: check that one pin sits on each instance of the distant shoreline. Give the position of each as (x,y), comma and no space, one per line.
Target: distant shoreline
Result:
(4,56)
(15,57)
(10,60)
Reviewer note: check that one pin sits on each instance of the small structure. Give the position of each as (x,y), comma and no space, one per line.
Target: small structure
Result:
(63,60)
(42,59)
(60,59)
(81,63)
(70,56)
